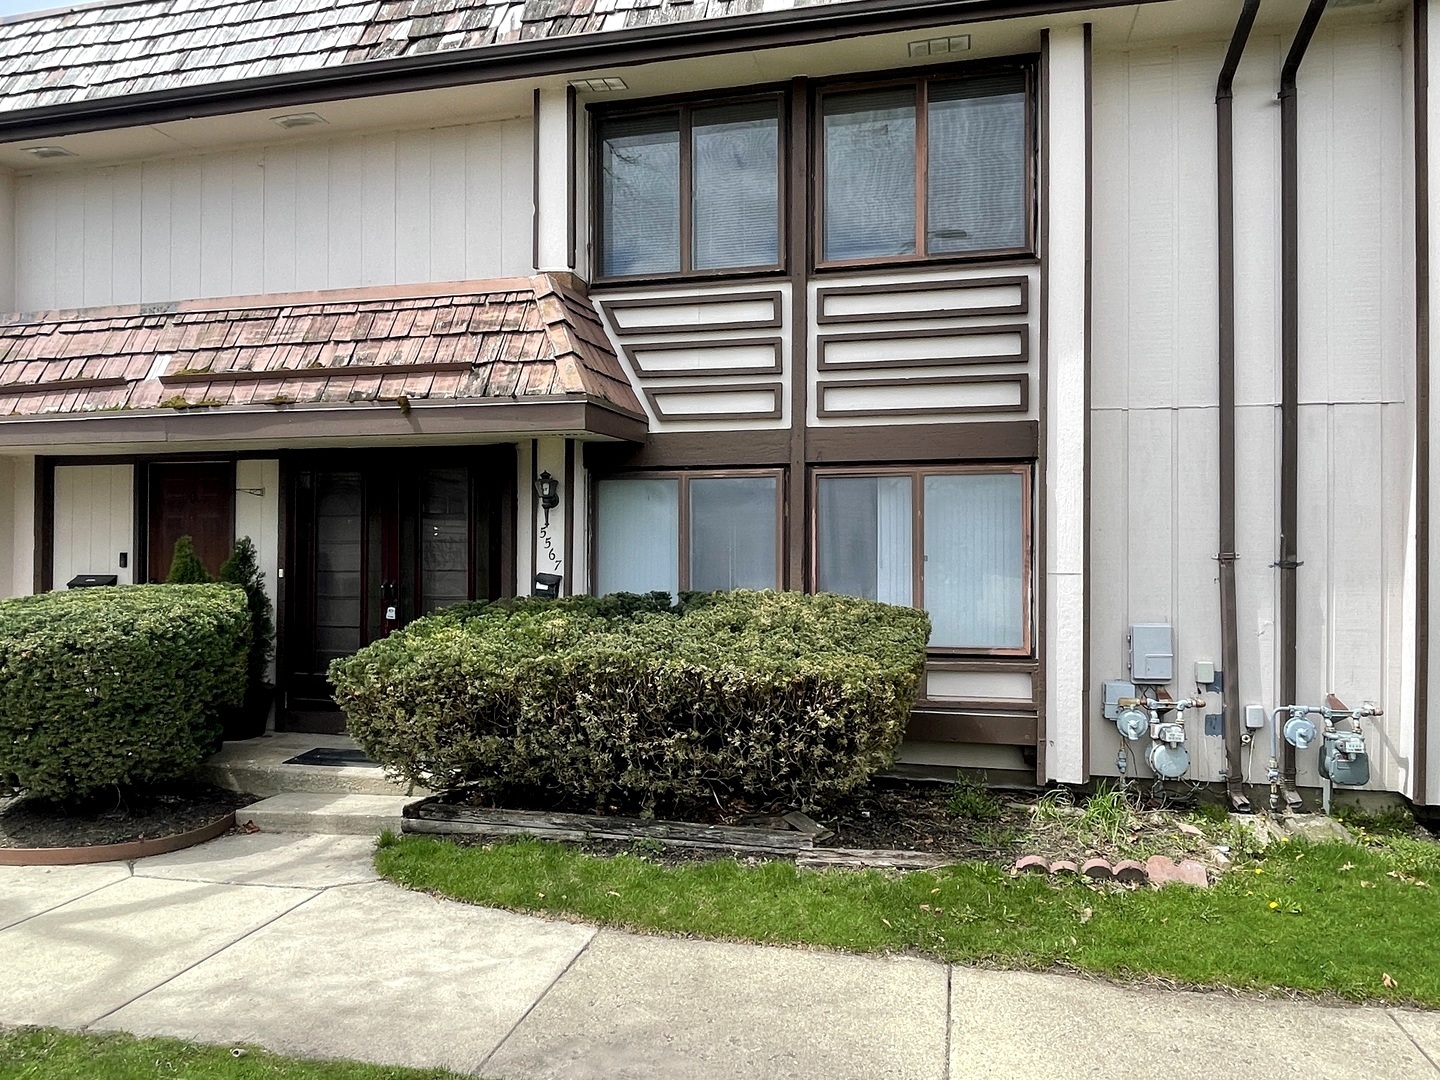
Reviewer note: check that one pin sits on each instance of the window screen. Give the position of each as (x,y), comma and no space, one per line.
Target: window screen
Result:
(640,194)
(736,179)
(976,173)
(870,174)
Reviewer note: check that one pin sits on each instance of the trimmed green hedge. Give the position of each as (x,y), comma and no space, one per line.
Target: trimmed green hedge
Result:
(627,701)
(116,686)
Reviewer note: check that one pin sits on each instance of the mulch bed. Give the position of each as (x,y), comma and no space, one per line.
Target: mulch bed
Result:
(118,818)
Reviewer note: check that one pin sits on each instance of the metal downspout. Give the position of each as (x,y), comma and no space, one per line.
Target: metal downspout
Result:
(1290,369)
(1229,617)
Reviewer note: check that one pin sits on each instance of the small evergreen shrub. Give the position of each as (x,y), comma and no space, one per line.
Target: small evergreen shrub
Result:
(185,566)
(116,686)
(628,701)
(242,568)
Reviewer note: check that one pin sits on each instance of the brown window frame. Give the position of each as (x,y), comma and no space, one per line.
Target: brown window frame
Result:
(1026,68)
(917,474)
(684,108)
(685,476)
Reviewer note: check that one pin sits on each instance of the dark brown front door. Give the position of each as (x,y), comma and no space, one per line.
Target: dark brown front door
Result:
(195,499)
(373,545)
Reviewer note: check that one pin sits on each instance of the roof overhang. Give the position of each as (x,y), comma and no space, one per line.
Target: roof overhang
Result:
(535,58)
(171,430)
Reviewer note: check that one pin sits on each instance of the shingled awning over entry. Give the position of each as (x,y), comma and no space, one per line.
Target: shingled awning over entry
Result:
(520,341)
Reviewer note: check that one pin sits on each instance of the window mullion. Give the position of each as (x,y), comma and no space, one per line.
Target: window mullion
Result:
(922,159)
(917,537)
(684,534)
(687,192)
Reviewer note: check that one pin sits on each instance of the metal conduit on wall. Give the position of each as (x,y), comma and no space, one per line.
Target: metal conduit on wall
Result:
(1229,618)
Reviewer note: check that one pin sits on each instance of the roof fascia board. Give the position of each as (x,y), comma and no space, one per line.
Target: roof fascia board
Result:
(533,58)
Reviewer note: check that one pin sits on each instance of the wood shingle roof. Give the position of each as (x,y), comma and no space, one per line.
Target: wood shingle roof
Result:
(513,338)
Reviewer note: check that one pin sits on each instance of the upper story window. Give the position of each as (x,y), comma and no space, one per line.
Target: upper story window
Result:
(926,168)
(690,189)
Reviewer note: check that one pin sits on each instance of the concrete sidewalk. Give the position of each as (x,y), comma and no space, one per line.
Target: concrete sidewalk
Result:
(291,942)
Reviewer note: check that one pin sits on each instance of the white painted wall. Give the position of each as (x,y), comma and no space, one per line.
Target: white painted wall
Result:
(94,521)
(257,515)
(552,186)
(1154,533)
(1065,447)
(436,204)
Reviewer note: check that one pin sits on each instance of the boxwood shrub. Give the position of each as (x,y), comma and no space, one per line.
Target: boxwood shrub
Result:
(116,686)
(629,701)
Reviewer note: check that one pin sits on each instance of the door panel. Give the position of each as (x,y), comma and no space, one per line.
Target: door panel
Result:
(372,548)
(195,499)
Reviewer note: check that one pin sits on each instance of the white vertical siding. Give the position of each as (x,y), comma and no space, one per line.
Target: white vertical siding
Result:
(436,204)
(257,515)
(17,526)
(1155,477)
(94,521)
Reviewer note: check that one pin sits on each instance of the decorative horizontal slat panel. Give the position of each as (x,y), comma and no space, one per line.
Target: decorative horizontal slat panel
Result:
(716,311)
(941,684)
(716,402)
(924,300)
(926,348)
(747,356)
(919,397)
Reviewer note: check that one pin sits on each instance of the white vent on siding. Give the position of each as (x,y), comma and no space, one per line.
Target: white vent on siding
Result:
(940,46)
(599,86)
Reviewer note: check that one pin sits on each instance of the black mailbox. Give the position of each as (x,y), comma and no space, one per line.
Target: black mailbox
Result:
(90,581)
(547,586)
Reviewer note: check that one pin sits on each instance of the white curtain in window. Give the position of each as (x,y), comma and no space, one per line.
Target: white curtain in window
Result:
(732,533)
(865,537)
(974,560)
(637,541)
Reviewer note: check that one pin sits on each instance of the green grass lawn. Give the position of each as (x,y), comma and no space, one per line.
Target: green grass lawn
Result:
(1354,921)
(47,1054)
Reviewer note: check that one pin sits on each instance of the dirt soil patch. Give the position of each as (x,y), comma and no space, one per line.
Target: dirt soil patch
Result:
(118,818)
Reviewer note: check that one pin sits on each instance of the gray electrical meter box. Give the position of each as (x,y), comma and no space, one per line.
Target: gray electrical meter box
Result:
(1152,653)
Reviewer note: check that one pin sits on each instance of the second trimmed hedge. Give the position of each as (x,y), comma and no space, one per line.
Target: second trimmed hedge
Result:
(627,701)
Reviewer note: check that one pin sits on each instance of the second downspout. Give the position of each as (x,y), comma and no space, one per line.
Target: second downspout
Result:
(1229,618)
(1289,561)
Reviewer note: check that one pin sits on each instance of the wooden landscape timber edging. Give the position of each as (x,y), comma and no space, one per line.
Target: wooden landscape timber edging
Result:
(133,849)
(434,817)
(863,858)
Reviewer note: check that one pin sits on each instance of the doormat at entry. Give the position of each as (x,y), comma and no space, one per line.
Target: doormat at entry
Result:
(329,755)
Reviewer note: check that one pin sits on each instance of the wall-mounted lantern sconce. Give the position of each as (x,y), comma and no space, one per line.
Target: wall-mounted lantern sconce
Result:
(547,489)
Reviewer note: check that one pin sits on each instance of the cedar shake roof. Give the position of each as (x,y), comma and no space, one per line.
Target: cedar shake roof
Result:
(515,338)
(118,49)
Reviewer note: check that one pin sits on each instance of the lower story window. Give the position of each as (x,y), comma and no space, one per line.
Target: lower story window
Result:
(955,542)
(671,533)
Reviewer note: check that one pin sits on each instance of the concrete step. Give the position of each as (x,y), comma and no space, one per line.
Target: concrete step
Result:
(333,814)
(258,766)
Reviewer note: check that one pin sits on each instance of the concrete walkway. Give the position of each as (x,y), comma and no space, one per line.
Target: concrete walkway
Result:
(292,943)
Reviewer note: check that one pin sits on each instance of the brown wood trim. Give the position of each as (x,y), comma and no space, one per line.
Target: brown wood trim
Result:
(987,666)
(635,351)
(535,180)
(18,388)
(526,59)
(569,497)
(282,426)
(1421,31)
(978,728)
(1024,706)
(800,243)
(254,375)
(986,440)
(774,296)
(688,450)
(1021,330)
(1042,464)
(653,393)
(1021,381)
(44,575)
(571,176)
(823,294)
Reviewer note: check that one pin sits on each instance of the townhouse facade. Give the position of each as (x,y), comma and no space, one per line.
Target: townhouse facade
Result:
(1098,330)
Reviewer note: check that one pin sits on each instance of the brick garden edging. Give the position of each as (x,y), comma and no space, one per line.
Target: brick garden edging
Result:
(1158,870)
